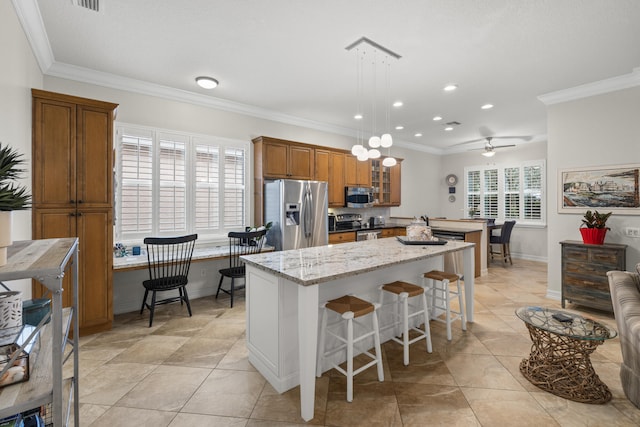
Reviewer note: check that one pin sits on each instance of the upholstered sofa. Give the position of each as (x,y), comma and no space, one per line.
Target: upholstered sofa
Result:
(625,295)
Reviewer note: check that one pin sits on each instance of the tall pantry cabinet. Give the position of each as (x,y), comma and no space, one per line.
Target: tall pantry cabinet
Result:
(73,194)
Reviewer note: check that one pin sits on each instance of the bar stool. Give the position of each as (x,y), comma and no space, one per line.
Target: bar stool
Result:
(403,291)
(441,297)
(349,308)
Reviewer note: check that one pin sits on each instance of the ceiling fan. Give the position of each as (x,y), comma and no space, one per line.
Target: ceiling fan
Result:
(489,147)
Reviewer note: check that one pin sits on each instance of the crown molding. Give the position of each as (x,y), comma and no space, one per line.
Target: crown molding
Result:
(29,16)
(591,89)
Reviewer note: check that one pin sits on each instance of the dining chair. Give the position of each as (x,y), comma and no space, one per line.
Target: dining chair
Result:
(169,259)
(240,243)
(503,241)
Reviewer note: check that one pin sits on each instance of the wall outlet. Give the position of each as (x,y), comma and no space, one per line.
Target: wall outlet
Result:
(632,232)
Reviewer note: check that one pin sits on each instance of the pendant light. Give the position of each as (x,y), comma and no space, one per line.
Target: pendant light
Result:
(375,142)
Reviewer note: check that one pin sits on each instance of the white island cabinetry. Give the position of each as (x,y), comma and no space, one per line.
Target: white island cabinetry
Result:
(284,290)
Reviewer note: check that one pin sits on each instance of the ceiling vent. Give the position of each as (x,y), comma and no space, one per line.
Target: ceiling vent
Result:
(89,4)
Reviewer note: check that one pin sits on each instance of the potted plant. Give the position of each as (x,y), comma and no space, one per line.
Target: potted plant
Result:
(13,197)
(594,228)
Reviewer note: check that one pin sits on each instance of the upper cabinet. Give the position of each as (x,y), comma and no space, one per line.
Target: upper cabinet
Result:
(284,159)
(330,167)
(386,182)
(357,173)
(280,159)
(73,150)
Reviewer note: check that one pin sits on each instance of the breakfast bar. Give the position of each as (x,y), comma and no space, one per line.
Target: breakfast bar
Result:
(285,288)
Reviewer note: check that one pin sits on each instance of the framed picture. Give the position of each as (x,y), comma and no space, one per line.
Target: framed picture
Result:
(602,188)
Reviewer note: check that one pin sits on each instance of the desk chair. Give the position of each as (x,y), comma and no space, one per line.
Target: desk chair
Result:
(240,243)
(503,241)
(169,259)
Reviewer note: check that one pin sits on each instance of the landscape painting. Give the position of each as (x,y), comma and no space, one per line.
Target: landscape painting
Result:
(609,188)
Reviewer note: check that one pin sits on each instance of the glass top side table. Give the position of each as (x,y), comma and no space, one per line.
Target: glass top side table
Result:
(560,353)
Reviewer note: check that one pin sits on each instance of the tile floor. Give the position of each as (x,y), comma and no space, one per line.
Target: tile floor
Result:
(194,372)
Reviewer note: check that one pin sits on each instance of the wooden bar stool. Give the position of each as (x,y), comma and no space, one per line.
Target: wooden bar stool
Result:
(441,297)
(403,291)
(349,308)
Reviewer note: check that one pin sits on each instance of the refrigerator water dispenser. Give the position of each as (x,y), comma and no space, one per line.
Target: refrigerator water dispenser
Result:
(292,214)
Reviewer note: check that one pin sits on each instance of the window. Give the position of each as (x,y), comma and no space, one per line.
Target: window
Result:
(506,192)
(171,183)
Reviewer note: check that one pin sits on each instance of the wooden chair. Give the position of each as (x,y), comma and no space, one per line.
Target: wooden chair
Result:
(503,240)
(404,310)
(436,284)
(349,308)
(169,259)
(240,243)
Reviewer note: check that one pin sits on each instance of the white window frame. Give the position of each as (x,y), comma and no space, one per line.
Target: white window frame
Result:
(501,191)
(216,235)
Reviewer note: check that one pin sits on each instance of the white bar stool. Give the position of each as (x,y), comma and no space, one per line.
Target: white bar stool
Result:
(403,291)
(441,297)
(349,308)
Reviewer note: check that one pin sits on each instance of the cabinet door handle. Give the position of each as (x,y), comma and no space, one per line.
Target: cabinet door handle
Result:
(79,201)
(72,214)
(72,201)
(79,214)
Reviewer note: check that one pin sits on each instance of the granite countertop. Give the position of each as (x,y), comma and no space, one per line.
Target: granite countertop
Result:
(320,264)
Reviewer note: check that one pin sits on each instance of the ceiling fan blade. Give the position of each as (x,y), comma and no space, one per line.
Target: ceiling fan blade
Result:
(503,146)
(490,138)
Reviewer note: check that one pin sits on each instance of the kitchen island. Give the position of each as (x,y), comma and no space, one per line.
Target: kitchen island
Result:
(284,290)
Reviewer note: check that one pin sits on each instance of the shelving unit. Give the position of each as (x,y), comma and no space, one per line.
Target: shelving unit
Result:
(46,261)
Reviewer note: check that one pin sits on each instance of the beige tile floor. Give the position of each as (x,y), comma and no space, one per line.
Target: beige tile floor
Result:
(194,372)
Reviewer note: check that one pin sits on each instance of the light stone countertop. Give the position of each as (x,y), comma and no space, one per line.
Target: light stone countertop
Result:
(320,264)
(133,262)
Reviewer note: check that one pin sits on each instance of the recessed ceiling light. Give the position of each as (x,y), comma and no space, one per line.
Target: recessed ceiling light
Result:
(206,82)
(358,117)
(397,104)
(448,128)
(399,127)
(437,118)
(487,106)
(451,87)
(418,135)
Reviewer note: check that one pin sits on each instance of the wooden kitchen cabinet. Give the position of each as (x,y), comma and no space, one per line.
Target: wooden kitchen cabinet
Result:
(330,168)
(72,172)
(357,173)
(286,159)
(584,272)
(386,182)
(347,236)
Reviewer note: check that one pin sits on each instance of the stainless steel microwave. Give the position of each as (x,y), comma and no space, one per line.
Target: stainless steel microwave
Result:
(358,197)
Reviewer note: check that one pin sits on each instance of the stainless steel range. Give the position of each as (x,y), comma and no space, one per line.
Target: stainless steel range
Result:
(348,221)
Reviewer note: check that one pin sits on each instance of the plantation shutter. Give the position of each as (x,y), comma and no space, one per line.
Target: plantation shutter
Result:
(234,186)
(136,182)
(490,193)
(532,192)
(473,189)
(207,187)
(512,193)
(172,182)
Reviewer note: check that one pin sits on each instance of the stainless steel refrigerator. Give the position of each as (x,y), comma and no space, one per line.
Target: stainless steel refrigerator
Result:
(298,213)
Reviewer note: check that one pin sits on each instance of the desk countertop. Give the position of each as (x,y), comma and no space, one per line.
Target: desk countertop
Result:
(320,264)
(131,262)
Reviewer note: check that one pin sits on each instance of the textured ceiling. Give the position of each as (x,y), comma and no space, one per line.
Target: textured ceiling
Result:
(289,57)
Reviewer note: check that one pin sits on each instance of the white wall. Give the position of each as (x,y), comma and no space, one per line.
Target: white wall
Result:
(19,73)
(527,242)
(595,131)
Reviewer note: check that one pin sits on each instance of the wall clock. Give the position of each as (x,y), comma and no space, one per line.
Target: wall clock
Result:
(451,179)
